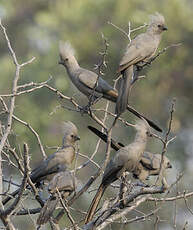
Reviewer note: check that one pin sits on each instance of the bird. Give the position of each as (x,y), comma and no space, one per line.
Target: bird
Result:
(64,183)
(89,83)
(56,162)
(149,164)
(59,160)
(125,159)
(140,50)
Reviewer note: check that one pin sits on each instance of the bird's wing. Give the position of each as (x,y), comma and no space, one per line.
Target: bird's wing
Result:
(89,79)
(38,172)
(116,166)
(111,172)
(140,48)
(151,161)
(147,161)
(156,160)
(46,168)
(63,181)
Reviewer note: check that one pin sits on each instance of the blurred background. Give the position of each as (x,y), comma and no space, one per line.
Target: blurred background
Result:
(35,28)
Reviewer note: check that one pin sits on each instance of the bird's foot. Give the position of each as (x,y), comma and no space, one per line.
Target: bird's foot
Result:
(141,184)
(84,109)
(136,78)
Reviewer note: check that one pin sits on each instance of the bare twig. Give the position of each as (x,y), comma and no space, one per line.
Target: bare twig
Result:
(99,68)
(66,210)
(27,125)
(141,66)
(128,35)
(119,215)
(12,99)
(165,142)
(5,214)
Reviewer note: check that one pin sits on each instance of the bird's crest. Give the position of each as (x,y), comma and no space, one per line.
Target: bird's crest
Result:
(68,127)
(157,18)
(66,49)
(142,124)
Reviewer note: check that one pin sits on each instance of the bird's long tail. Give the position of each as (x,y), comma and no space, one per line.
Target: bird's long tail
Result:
(124,90)
(151,123)
(116,146)
(95,203)
(113,96)
(47,211)
(12,195)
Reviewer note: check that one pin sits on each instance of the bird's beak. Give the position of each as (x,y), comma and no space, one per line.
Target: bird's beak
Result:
(77,138)
(169,166)
(164,28)
(60,63)
(149,134)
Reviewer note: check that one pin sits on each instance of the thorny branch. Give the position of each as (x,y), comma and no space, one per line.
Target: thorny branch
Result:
(67,210)
(27,125)
(141,66)
(128,35)
(5,214)
(102,64)
(165,142)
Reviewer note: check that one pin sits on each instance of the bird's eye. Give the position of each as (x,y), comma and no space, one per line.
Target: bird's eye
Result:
(159,26)
(72,136)
(66,59)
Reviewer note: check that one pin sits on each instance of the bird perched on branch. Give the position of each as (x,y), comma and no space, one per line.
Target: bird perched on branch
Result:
(60,187)
(126,159)
(89,83)
(140,50)
(56,162)
(149,164)
(60,160)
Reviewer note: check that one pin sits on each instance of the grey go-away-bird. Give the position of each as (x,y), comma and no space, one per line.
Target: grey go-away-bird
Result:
(86,81)
(149,164)
(56,162)
(63,183)
(126,159)
(140,50)
(60,160)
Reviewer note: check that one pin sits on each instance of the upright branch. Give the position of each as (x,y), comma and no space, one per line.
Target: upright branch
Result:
(99,68)
(6,213)
(165,141)
(128,34)
(12,99)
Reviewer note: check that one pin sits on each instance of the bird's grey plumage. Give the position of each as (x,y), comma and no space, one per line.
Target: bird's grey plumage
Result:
(126,159)
(56,162)
(149,165)
(124,90)
(62,182)
(86,80)
(140,49)
(59,160)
